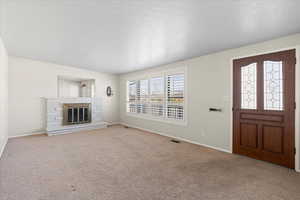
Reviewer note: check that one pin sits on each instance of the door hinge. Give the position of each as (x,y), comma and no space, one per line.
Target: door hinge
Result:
(295,151)
(295,105)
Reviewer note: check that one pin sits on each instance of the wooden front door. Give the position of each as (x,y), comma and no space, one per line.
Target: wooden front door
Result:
(264,107)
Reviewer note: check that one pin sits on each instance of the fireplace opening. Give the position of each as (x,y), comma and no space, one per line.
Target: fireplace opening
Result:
(77,113)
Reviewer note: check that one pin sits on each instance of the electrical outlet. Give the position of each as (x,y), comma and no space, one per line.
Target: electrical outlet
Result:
(202,133)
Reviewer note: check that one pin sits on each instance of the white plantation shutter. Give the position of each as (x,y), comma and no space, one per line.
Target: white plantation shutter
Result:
(143,96)
(157,96)
(132,97)
(160,96)
(175,96)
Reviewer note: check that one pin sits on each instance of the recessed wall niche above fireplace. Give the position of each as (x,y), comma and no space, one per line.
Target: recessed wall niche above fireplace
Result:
(71,87)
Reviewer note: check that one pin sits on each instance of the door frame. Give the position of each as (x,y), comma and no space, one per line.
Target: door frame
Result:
(297,96)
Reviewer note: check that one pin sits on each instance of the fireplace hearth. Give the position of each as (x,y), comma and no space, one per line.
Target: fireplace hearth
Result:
(77,113)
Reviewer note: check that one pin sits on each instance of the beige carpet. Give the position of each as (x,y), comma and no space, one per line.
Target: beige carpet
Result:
(128,164)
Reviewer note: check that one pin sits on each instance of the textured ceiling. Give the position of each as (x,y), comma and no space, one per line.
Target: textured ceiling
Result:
(119,36)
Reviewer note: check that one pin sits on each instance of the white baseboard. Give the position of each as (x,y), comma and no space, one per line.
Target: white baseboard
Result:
(178,138)
(113,123)
(28,134)
(3,147)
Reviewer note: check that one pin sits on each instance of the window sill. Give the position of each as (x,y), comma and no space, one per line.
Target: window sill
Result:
(158,119)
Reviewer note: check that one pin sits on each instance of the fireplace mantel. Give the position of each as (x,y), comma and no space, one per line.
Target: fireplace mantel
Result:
(55,115)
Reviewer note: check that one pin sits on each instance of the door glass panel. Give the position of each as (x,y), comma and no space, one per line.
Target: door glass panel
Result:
(86,114)
(75,115)
(70,115)
(273,85)
(80,114)
(248,86)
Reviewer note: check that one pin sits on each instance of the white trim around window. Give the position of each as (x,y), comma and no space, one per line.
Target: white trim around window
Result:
(171,109)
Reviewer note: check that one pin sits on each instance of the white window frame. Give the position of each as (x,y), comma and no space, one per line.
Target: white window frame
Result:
(162,73)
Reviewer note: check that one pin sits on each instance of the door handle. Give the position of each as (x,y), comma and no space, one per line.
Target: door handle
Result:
(215,110)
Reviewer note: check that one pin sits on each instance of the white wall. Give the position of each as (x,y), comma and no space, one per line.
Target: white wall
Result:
(1,16)
(3,97)
(30,81)
(209,85)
